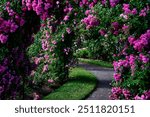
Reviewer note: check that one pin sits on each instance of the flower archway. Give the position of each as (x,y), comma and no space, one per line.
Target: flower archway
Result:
(38,38)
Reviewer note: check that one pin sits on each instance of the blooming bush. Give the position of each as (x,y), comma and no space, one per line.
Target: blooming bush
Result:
(19,21)
(121,34)
(38,38)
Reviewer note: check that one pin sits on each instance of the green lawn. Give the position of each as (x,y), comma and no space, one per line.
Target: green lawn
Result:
(97,62)
(80,85)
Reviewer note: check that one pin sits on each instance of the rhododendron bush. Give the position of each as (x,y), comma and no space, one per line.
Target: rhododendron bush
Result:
(38,38)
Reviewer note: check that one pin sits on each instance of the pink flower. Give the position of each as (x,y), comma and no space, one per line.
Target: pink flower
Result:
(117,76)
(37,61)
(84,1)
(137,97)
(131,40)
(45,45)
(3,38)
(125,27)
(90,21)
(54,42)
(46,57)
(66,18)
(45,68)
(22,22)
(2,69)
(50,81)
(124,16)
(36,96)
(102,32)
(115,25)
(32,73)
(126,93)
(13,27)
(126,8)
(143,58)
(113,3)
(134,11)
(68,30)
(103,2)
(47,6)
(143,12)
(87,12)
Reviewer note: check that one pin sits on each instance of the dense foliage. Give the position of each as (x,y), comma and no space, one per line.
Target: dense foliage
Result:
(38,39)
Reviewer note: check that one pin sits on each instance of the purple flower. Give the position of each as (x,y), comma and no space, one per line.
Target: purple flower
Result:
(131,40)
(113,3)
(87,12)
(117,76)
(103,2)
(143,58)
(126,93)
(68,30)
(90,21)
(134,11)
(66,18)
(115,25)
(2,69)
(102,32)
(3,38)
(126,8)
(45,68)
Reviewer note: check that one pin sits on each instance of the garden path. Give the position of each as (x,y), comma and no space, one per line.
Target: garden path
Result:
(104,77)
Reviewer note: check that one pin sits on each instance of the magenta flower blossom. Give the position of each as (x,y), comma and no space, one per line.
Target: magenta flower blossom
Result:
(126,93)
(54,42)
(125,27)
(144,96)
(68,30)
(2,69)
(87,12)
(50,81)
(117,76)
(142,42)
(45,45)
(36,96)
(66,18)
(131,40)
(113,3)
(116,25)
(126,8)
(134,11)
(90,21)
(37,60)
(84,1)
(3,38)
(45,68)
(143,58)
(102,32)
(143,12)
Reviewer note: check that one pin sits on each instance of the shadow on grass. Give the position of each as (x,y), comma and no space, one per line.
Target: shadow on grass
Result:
(79,86)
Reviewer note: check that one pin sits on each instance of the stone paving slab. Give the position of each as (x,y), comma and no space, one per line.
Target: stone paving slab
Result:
(104,77)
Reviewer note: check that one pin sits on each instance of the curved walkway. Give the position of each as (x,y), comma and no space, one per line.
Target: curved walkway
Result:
(104,77)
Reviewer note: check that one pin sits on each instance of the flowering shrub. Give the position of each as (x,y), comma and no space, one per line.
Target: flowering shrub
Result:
(19,21)
(121,32)
(111,30)
(132,62)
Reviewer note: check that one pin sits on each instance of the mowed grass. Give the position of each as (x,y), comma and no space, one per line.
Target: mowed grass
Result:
(96,62)
(79,86)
